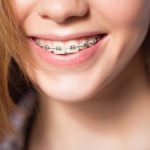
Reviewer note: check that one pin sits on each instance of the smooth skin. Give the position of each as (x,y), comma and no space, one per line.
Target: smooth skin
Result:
(100,106)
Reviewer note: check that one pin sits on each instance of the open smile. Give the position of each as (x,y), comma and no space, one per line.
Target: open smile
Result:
(67,53)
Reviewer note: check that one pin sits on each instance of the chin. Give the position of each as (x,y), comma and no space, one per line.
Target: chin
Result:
(71,95)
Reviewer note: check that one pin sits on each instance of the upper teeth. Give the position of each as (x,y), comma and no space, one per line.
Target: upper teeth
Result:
(72,46)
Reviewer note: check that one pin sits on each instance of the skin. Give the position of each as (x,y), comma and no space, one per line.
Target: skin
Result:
(98,113)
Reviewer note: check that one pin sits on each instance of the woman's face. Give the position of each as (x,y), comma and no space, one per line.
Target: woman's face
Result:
(123,22)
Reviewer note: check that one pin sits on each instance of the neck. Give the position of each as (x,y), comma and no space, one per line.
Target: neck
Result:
(108,112)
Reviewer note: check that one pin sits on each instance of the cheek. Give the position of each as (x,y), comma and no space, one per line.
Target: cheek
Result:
(22,8)
(121,12)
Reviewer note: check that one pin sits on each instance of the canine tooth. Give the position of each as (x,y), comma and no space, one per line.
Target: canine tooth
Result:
(72,47)
(47,47)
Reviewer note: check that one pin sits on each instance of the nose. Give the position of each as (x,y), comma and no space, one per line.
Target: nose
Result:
(61,10)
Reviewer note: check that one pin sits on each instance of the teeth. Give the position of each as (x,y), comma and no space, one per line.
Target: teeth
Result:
(83,44)
(58,48)
(48,46)
(72,46)
(40,43)
(91,41)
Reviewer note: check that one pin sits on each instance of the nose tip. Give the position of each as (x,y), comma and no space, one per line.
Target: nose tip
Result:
(61,10)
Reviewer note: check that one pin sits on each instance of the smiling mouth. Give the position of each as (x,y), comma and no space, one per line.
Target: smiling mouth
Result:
(72,51)
(70,46)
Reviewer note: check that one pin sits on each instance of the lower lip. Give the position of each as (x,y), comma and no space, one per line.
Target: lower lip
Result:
(68,61)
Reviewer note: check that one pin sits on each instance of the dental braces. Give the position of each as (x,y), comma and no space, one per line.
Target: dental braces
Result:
(72,47)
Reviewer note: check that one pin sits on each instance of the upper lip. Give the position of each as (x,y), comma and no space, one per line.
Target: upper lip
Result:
(74,36)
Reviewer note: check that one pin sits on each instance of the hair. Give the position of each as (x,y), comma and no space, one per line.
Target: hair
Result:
(11,63)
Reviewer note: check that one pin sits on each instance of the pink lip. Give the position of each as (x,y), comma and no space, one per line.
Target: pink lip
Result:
(74,36)
(67,61)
